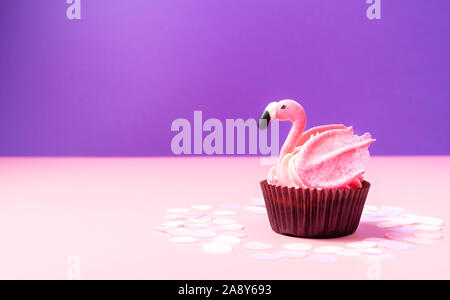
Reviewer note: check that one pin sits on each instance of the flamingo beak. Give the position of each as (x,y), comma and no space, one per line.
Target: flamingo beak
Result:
(268,114)
(264,120)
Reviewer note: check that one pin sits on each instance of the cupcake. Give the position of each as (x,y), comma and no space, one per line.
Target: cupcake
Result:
(317,188)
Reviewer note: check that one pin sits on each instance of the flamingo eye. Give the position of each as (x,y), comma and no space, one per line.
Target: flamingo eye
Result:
(283,107)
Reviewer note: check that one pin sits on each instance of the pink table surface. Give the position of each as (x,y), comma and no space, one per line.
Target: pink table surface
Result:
(102,210)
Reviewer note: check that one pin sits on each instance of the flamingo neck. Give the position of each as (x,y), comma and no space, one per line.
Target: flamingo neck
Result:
(293,137)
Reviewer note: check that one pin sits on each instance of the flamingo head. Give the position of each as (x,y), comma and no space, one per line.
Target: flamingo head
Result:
(284,110)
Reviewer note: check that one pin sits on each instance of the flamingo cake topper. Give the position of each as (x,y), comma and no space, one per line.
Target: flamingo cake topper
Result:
(329,156)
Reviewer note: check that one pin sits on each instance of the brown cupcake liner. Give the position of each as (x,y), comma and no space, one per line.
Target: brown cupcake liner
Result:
(314,213)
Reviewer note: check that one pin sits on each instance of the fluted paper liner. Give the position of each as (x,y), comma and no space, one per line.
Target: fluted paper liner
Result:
(314,213)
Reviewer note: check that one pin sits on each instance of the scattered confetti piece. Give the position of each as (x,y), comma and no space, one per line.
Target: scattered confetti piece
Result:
(350,253)
(387,224)
(297,246)
(200,219)
(328,250)
(364,244)
(405,229)
(428,227)
(204,233)
(238,234)
(217,248)
(390,211)
(181,231)
(417,241)
(258,246)
(426,235)
(198,226)
(370,208)
(266,256)
(184,240)
(231,227)
(371,251)
(431,221)
(399,236)
(394,245)
(406,220)
(292,254)
(171,224)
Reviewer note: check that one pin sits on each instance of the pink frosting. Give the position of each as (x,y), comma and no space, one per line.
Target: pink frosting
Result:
(329,157)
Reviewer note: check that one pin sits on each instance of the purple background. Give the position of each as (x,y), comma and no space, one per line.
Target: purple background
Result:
(112,83)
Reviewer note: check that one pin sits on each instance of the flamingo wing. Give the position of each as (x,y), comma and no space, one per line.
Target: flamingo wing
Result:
(315,130)
(333,159)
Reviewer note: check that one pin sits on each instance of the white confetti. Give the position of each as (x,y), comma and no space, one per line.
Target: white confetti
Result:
(292,254)
(390,211)
(204,233)
(350,253)
(387,224)
(370,208)
(266,256)
(428,227)
(225,212)
(238,234)
(200,219)
(393,245)
(399,236)
(371,251)
(406,220)
(217,248)
(431,221)
(321,258)
(405,229)
(198,226)
(258,246)
(328,250)
(427,235)
(417,241)
(231,227)
(223,221)
(181,231)
(184,240)
(171,224)
(189,225)
(363,244)
(227,240)
(297,246)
